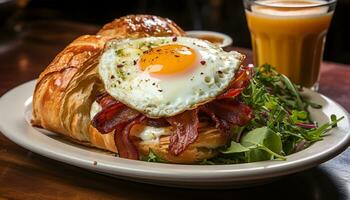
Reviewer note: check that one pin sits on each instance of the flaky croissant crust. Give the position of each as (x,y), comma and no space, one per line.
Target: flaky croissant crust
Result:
(67,87)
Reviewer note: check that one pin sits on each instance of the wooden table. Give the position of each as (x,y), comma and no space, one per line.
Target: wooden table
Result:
(26,175)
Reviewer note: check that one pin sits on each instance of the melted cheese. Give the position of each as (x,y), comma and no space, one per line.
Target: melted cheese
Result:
(95,108)
(152,134)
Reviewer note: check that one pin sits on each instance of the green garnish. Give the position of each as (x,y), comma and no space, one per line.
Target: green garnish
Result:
(258,144)
(120,52)
(334,120)
(152,157)
(281,122)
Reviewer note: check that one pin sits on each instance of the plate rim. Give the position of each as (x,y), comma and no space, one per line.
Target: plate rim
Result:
(155,171)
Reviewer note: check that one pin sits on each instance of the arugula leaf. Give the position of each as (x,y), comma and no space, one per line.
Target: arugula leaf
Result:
(290,86)
(316,134)
(262,147)
(299,116)
(235,148)
(334,119)
(264,143)
(208,162)
(152,157)
(225,159)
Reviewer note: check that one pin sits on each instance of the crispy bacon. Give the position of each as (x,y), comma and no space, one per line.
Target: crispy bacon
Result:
(239,83)
(105,100)
(220,124)
(185,130)
(232,111)
(112,116)
(126,149)
(230,93)
(242,77)
(161,122)
(118,117)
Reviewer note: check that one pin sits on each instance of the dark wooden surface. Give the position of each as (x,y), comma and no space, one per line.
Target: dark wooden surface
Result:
(26,175)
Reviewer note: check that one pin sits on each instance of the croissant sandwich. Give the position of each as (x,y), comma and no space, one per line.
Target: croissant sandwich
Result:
(140,86)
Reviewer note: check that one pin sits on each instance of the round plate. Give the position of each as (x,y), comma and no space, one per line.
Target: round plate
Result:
(15,108)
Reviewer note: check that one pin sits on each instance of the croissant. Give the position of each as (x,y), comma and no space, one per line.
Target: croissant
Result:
(67,88)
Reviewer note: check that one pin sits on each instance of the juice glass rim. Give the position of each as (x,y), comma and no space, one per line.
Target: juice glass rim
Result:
(263,3)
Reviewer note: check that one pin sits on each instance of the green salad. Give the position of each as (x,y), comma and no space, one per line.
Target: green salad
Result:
(281,124)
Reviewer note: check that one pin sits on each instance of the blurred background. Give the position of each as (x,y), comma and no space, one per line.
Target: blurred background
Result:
(20,17)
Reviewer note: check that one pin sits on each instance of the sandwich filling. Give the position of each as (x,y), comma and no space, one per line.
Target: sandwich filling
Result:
(224,112)
(150,133)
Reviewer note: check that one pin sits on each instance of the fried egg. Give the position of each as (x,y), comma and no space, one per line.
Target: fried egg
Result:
(164,76)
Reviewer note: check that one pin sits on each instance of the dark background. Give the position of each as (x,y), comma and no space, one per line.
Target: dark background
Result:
(219,15)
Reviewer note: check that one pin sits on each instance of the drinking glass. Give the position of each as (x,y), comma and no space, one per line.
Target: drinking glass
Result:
(290,35)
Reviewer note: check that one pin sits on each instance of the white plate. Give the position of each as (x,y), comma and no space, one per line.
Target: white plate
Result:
(15,107)
(227,40)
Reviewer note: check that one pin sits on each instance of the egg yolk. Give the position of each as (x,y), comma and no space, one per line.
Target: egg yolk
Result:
(168,59)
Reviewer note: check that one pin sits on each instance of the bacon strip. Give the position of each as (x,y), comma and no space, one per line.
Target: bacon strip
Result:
(230,93)
(242,77)
(232,111)
(112,116)
(239,83)
(161,122)
(118,117)
(126,149)
(185,130)
(220,124)
(105,100)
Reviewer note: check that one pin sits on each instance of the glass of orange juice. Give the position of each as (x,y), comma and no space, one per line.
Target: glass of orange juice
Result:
(290,35)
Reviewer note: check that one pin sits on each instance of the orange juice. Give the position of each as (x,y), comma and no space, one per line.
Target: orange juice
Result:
(290,35)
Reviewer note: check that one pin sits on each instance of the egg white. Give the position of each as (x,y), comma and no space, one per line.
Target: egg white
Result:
(168,95)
